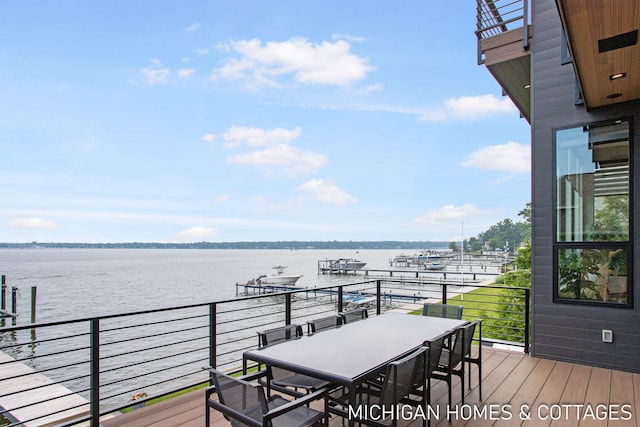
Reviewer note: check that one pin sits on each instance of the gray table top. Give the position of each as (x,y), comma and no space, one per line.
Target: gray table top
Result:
(352,352)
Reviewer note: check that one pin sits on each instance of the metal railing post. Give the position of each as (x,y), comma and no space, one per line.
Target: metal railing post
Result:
(213,335)
(479,31)
(3,298)
(525,25)
(339,298)
(444,293)
(527,295)
(378,296)
(95,373)
(287,309)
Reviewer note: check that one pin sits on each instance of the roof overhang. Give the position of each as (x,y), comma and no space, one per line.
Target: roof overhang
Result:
(602,38)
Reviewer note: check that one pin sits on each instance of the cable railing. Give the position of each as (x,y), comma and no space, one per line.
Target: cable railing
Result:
(495,17)
(78,371)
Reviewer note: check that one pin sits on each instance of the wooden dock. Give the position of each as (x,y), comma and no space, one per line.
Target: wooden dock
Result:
(33,399)
(434,276)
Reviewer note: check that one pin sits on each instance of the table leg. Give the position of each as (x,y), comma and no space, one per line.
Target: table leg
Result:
(352,404)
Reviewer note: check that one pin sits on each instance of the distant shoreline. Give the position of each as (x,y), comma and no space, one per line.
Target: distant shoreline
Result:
(291,245)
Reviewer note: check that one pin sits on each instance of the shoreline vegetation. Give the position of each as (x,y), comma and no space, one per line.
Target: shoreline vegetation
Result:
(291,245)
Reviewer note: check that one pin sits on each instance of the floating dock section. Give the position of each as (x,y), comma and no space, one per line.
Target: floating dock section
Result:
(256,288)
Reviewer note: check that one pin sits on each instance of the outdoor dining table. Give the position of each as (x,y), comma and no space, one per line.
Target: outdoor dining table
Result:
(353,353)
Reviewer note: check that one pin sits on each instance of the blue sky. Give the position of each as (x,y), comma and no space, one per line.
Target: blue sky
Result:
(173,121)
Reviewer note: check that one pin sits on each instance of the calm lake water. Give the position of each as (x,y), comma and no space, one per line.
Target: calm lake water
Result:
(79,283)
(82,283)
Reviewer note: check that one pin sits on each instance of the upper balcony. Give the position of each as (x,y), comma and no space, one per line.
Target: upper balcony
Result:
(600,39)
(504,40)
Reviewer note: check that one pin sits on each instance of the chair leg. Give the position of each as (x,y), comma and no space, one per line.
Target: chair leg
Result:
(449,384)
(480,379)
(462,380)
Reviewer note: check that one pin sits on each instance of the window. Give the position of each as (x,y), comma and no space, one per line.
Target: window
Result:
(592,249)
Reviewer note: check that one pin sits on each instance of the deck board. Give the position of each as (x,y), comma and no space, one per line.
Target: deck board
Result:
(508,378)
(35,399)
(574,392)
(622,389)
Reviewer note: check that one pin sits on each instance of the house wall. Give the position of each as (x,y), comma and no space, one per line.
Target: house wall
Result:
(568,331)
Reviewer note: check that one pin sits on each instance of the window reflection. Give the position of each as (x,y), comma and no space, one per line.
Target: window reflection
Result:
(593,275)
(592,247)
(592,183)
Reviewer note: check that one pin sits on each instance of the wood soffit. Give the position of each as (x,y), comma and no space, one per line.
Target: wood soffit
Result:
(602,37)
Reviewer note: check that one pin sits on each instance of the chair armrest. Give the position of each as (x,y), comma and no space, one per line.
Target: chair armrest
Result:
(276,412)
(248,377)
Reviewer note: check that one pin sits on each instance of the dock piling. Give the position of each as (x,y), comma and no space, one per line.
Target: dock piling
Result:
(34,293)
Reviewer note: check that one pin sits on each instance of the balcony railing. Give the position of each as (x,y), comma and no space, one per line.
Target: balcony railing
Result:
(494,17)
(79,370)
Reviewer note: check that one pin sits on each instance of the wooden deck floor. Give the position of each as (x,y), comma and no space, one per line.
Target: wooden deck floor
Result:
(539,385)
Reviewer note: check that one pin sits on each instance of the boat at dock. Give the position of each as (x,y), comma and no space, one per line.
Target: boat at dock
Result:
(347,264)
(279,278)
(436,266)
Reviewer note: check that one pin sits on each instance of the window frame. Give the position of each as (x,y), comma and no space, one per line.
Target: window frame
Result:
(627,245)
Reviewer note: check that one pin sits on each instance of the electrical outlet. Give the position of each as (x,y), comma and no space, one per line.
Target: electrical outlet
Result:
(607,335)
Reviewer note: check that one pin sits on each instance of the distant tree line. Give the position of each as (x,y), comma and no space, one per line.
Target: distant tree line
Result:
(505,235)
(291,245)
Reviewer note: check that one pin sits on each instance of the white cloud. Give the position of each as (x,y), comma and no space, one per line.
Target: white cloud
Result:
(370,88)
(192,28)
(270,63)
(194,234)
(222,198)
(186,72)
(285,157)
(347,37)
(33,223)
(208,137)
(448,213)
(202,51)
(509,157)
(278,152)
(256,137)
(469,108)
(327,192)
(155,74)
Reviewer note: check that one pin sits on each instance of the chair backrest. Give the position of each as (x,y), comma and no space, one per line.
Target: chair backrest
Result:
(401,377)
(240,400)
(469,330)
(435,351)
(323,323)
(353,315)
(278,335)
(442,310)
(456,352)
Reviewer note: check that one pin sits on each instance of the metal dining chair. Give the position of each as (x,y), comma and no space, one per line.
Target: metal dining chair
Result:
(453,358)
(354,315)
(398,383)
(282,380)
(244,403)
(469,357)
(277,335)
(323,323)
(442,310)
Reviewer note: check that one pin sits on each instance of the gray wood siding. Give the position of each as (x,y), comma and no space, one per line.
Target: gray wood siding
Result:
(564,331)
